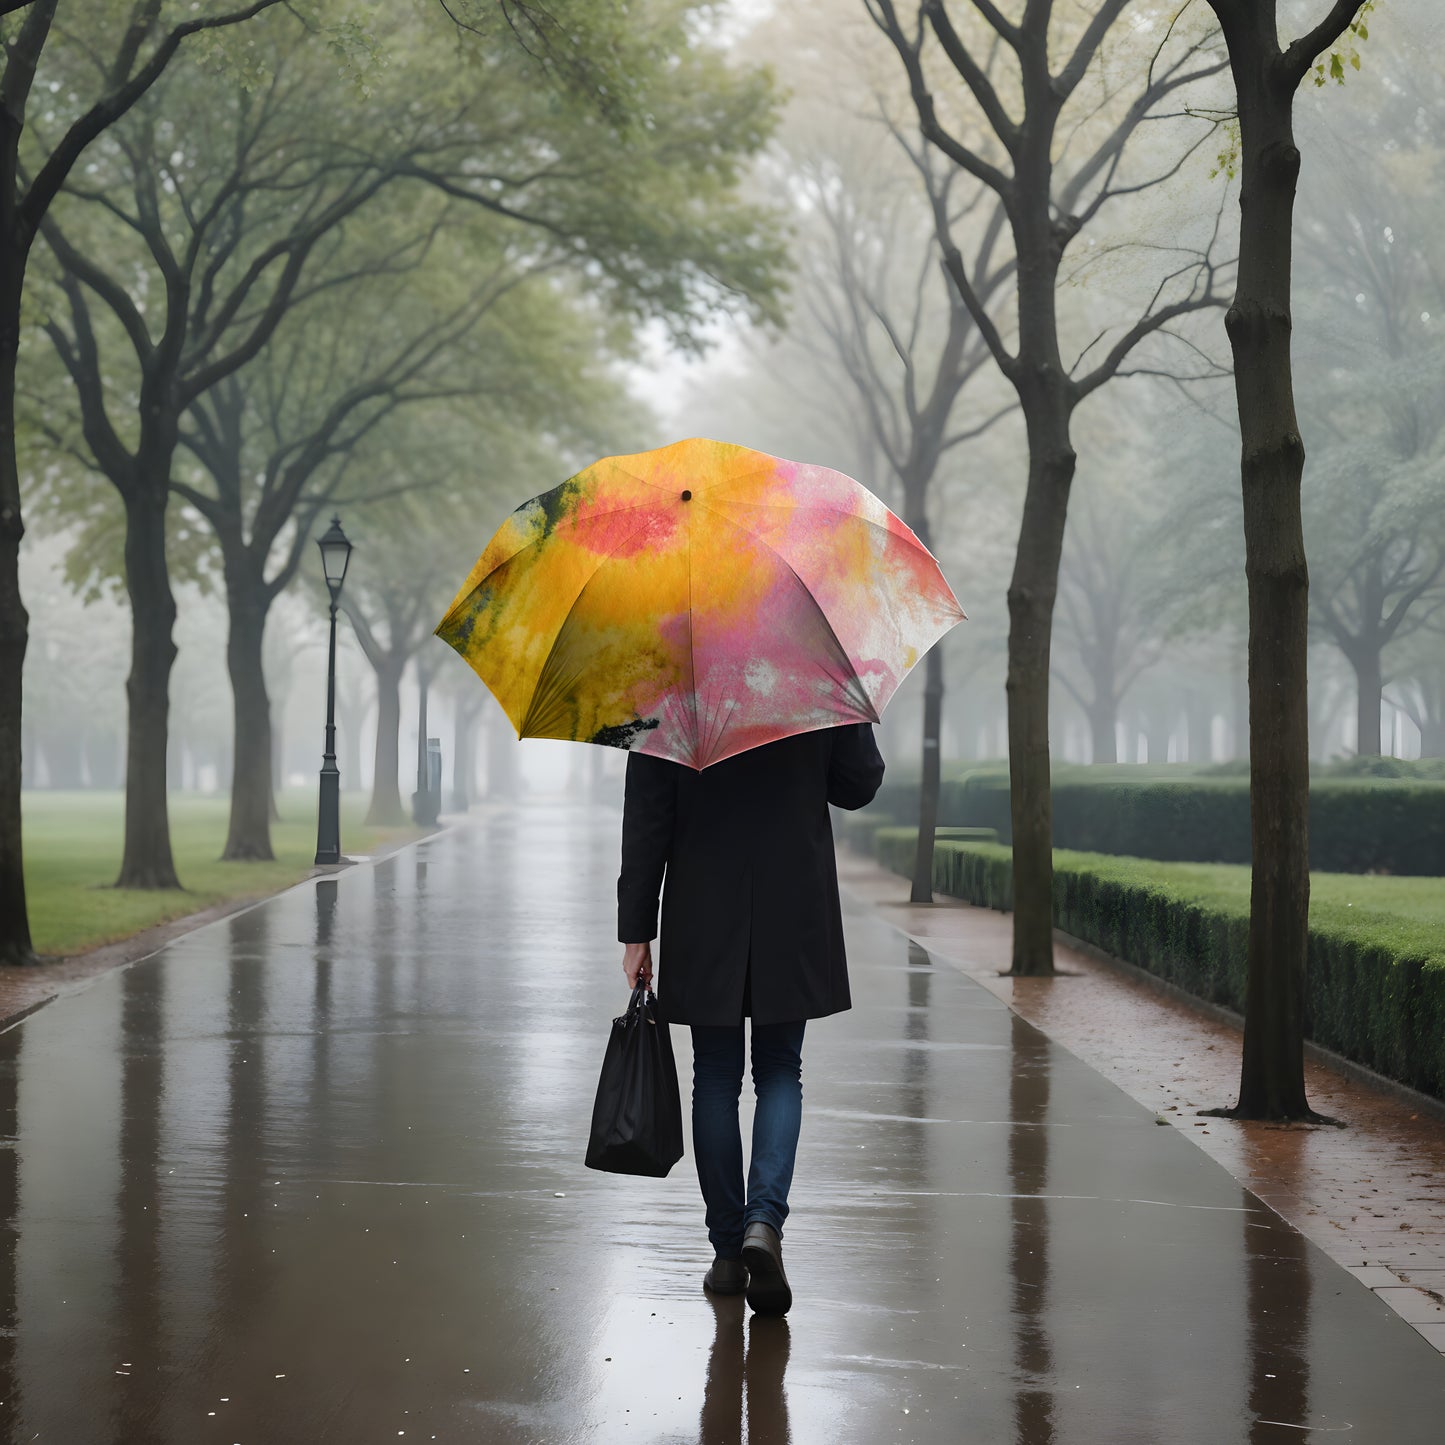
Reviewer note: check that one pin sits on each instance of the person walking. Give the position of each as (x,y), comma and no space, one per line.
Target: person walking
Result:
(752,928)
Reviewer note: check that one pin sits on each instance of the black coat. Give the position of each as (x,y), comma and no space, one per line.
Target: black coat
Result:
(752,883)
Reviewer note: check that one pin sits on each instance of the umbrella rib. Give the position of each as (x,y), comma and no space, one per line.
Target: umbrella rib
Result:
(646,481)
(767,471)
(808,593)
(911,539)
(464,596)
(542,671)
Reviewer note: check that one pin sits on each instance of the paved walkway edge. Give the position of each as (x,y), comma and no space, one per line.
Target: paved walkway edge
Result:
(1354,1192)
(1318,1054)
(26,989)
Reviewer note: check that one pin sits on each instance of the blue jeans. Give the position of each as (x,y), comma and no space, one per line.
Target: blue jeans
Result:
(717,1083)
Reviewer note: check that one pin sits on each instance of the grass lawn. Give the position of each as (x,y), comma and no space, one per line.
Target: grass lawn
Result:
(73,850)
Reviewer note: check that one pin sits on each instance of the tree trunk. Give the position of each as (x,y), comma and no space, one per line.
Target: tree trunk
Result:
(1432,738)
(1199,721)
(1158,729)
(915,491)
(175,760)
(423,686)
(1104,729)
(1239,716)
(249,837)
(147,862)
(502,780)
(28,753)
(1031,595)
(63,754)
(1369,689)
(352,722)
(420,806)
(1272,464)
(463,746)
(386,810)
(15,944)
(275,711)
(922,890)
(963,715)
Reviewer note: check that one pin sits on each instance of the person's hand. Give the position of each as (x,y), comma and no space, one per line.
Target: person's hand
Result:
(637,963)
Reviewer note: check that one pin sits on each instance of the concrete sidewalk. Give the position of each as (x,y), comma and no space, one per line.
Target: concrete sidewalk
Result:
(314,1174)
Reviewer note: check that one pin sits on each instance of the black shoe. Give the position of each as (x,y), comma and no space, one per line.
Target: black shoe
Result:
(768,1291)
(727,1276)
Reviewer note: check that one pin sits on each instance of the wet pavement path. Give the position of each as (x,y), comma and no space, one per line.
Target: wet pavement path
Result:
(314,1174)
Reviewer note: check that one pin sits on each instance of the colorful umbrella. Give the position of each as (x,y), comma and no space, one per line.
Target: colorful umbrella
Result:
(697,601)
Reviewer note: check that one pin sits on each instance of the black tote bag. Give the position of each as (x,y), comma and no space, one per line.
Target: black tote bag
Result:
(637,1119)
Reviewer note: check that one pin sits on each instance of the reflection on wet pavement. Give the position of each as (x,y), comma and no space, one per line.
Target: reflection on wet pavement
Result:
(314,1174)
(746,1369)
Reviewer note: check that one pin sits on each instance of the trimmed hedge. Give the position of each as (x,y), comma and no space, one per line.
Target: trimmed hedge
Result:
(1376,981)
(1357,824)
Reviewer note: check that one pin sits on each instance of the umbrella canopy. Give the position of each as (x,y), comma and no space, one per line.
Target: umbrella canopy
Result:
(696,601)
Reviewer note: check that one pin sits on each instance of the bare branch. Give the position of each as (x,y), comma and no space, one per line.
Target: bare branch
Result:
(1146,325)
(885,16)
(1005,29)
(973,432)
(961,58)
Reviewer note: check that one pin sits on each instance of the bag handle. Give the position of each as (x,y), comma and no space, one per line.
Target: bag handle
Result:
(641,996)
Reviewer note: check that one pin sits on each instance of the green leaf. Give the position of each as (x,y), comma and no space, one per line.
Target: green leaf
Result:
(1337,67)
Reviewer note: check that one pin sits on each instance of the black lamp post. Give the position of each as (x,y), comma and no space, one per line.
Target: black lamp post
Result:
(335,554)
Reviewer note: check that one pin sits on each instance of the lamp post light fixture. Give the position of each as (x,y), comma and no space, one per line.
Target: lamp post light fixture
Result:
(335,555)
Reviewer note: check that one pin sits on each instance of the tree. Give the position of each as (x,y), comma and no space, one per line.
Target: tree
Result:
(138,46)
(467,707)
(1420,691)
(1108,627)
(1384,535)
(391,623)
(906,348)
(1258,322)
(1147,579)
(1004,130)
(276,438)
(227,247)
